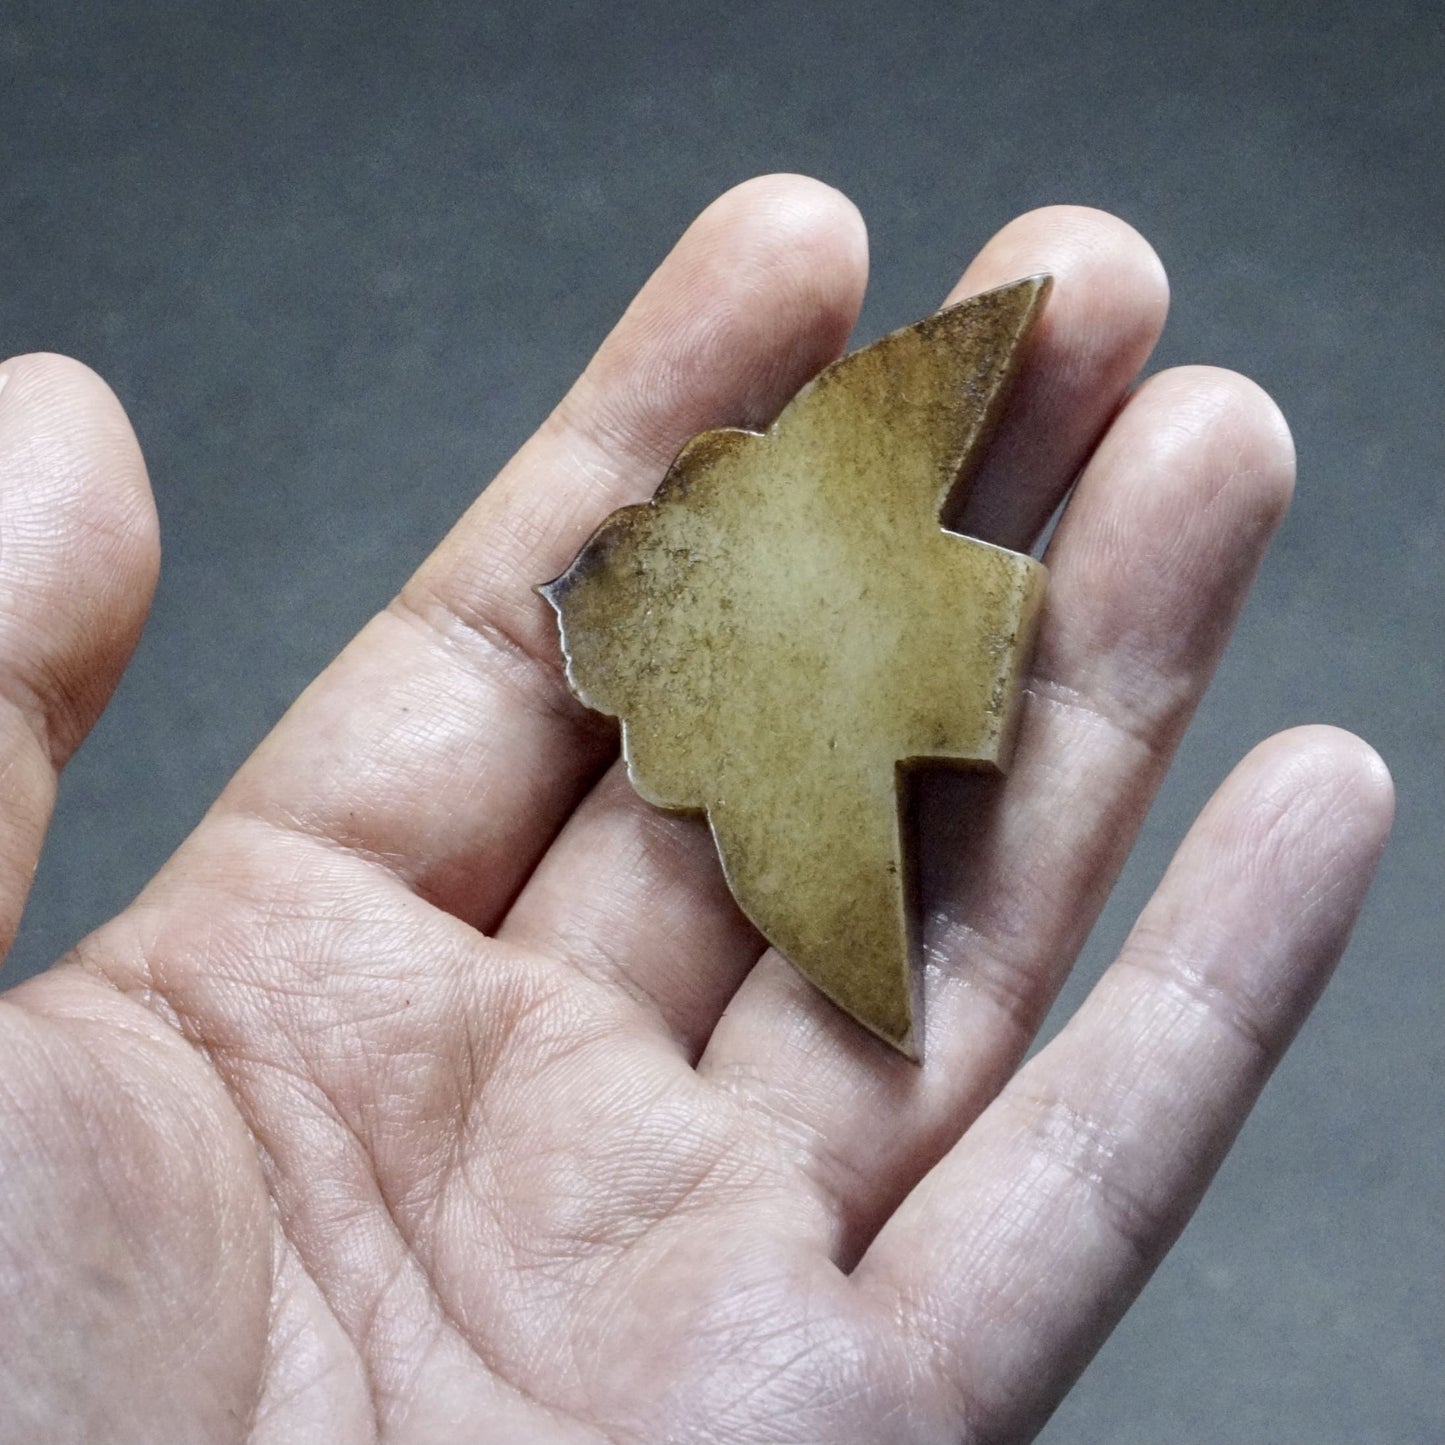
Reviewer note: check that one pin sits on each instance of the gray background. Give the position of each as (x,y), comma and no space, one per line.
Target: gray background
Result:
(338,262)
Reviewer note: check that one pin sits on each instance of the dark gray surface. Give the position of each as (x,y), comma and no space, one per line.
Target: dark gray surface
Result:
(338,264)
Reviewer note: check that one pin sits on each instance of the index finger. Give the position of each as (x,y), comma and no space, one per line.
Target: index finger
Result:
(443,742)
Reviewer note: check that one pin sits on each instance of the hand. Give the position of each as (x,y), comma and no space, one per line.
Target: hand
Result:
(435,1089)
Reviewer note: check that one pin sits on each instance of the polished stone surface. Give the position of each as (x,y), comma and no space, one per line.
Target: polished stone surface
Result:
(786,632)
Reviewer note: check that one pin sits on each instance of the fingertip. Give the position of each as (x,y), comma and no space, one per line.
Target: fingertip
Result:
(757,296)
(1330,774)
(45,383)
(78,438)
(82,545)
(798,214)
(1104,314)
(1101,264)
(797,246)
(1243,432)
(1303,818)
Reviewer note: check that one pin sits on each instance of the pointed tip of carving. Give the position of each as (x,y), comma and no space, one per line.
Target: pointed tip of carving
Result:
(907,1043)
(1020,301)
(1036,281)
(1031,291)
(1040,287)
(910,1045)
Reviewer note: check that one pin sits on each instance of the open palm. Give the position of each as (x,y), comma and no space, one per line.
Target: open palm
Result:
(436,1090)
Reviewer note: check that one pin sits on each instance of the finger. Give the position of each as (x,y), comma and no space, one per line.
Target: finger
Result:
(1016,1256)
(78,558)
(443,742)
(435,758)
(633,893)
(1149,566)
(1103,319)
(658,898)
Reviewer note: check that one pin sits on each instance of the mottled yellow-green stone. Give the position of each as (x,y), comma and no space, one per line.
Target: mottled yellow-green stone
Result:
(786,627)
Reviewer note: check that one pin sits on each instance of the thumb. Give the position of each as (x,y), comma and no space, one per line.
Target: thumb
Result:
(79,553)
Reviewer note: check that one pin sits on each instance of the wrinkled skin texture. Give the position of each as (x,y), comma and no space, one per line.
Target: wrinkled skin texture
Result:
(435,1090)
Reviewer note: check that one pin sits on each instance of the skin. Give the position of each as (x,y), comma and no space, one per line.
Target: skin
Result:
(435,1090)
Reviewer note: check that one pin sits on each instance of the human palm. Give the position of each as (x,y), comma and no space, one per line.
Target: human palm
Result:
(436,1090)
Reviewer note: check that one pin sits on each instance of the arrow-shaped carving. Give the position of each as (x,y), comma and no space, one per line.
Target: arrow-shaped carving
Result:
(786,628)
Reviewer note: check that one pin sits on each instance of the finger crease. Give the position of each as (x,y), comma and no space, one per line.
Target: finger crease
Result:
(1169,969)
(1134,725)
(1093,1157)
(535,678)
(28,703)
